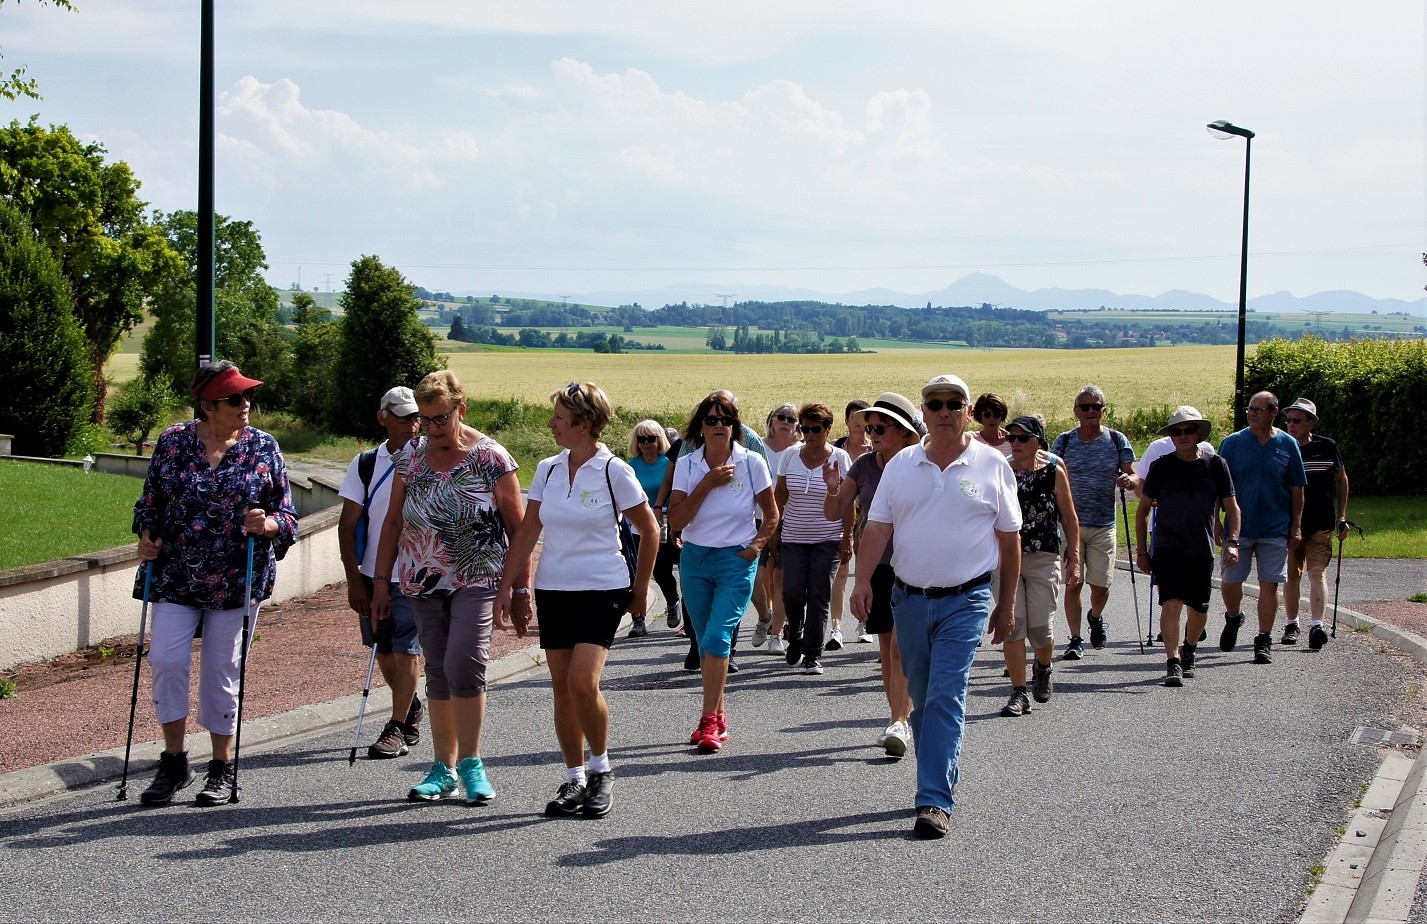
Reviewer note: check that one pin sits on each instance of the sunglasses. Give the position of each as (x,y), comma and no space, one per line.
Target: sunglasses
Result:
(241,398)
(714,420)
(877,429)
(1019,437)
(936,404)
(1298,421)
(992,412)
(814,428)
(646,438)
(1087,408)
(439,420)
(786,419)
(1183,431)
(573,389)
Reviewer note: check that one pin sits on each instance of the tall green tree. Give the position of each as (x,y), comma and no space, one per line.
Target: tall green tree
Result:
(308,387)
(383,344)
(45,386)
(245,308)
(89,214)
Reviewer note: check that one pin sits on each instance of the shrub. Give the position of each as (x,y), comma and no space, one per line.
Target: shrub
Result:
(139,409)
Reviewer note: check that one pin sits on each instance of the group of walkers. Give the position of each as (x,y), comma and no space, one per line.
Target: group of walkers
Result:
(955,533)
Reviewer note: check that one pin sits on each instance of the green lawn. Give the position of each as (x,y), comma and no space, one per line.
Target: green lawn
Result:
(53,512)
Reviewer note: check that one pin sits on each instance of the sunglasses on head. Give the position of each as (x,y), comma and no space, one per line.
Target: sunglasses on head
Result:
(240,398)
(716,420)
(936,404)
(1019,437)
(1183,431)
(439,420)
(646,438)
(1087,408)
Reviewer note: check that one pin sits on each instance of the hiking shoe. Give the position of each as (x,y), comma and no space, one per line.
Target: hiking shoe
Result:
(671,618)
(1186,661)
(414,715)
(568,801)
(834,641)
(1097,632)
(760,633)
(1019,704)
(1173,673)
(1075,649)
(1230,636)
(219,786)
(775,645)
(440,783)
(174,774)
(391,743)
(599,794)
(1317,638)
(1290,634)
(638,630)
(478,789)
(1263,648)
(793,653)
(812,666)
(895,738)
(862,634)
(932,822)
(1041,684)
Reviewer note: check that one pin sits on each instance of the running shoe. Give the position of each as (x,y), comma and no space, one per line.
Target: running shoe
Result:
(834,640)
(862,634)
(1173,673)
(440,783)
(671,618)
(411,731)
(599,794)
(1041,684)
(1186,661)
(473,780)
(1263,648)
(760,633)
(1075,649)
(812,666)
(1230,636)
(775,645)
(1097,632)
(1290,634)
(895,738)
(638,630)
(568,801)
(1317,638)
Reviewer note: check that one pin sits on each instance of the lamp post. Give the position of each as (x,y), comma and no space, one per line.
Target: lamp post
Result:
(1224,130)
(203,328)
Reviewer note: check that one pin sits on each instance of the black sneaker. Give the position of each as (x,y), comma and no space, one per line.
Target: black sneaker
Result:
(793,653)
(931,822)
(691,660)
(834,642)
(1173,673)
(732,665)
(1203,634)
(1317,638)
(1290,634)
(568,801)
(1075,650)
(1230,636)
(218,788)
(638,630)
(1186,661)
(174,774)
(1017,705)
(1097,633)
(812,666)
(1263,648)
(599,794)
(671,618)
(391,743)
(1041,684)
(411,731)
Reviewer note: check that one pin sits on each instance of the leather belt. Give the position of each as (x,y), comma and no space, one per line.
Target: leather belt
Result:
(936,593)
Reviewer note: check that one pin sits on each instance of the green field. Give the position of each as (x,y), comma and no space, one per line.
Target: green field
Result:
(1401,322)
(55,511)
(694,339)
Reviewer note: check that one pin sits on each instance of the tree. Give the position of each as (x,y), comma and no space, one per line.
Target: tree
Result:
(717,338)
(138,410)
(382,344)
(90,216)
(45,385)
(15,85)
(309,384)
(306,311)
(458,329)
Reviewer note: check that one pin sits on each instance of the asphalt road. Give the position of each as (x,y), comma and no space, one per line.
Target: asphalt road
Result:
(1120,800)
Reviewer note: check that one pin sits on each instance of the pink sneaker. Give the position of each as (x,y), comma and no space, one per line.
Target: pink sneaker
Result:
(706,721)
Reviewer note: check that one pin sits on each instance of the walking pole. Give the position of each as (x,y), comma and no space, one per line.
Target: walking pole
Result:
(362,713)
(1149,620)
(242,669)
(138,663)
(1337,581)
(1134,591)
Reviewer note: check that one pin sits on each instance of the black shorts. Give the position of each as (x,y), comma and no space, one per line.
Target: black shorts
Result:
(880,619)
(1182,577)
(571,617)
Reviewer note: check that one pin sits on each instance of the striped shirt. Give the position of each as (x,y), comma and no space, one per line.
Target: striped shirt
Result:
(803,519)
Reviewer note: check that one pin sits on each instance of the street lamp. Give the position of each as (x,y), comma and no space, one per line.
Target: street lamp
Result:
(1224,130)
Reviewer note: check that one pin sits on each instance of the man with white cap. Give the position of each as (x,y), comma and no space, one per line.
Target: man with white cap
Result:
(365,494)
(1325,512)
(950,504)
(1186,488)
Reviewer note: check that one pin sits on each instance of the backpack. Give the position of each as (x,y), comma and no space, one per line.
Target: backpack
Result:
(627,540)
(366,467)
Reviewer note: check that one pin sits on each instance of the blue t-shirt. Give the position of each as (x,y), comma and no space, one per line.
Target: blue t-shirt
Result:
(1093,466)
(650,474)
(1264,475)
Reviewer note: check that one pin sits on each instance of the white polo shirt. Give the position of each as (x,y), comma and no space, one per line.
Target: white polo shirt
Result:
(944,521)
(353,491)
(580,523)
(726,516)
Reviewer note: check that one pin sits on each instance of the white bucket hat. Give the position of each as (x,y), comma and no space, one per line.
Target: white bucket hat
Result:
(1185,414)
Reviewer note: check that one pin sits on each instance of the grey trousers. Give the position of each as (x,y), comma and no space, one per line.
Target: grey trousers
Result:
(808,572)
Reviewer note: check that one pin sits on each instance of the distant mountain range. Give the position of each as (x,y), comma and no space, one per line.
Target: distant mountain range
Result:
(979,288)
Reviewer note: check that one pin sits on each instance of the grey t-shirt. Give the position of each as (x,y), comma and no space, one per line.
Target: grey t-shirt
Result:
(867,472)
(1093,466)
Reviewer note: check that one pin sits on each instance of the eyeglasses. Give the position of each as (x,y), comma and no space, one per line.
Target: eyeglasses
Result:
(1088,408)
(1183,431)
(936,404)
(241,398)
(646,438)
(1298,421)
(439,420)
(1019,437)
(994,412)
(714,420)
(1261,410)
(813,428)
(877,429)
(786,419)
(409,418)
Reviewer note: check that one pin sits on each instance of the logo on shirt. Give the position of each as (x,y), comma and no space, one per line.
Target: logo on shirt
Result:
(589,499)
(968,489)
(736,485)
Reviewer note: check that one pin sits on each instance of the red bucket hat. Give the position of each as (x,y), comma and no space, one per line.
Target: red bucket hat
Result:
(228,382)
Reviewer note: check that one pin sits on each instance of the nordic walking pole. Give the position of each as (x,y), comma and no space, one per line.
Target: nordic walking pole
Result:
(1338,581)
(1149,602)
(1134,591)
(242,668)
(362,713)
(138,663)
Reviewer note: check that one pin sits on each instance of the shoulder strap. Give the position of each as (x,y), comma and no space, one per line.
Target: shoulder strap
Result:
(366,465)
(613,501)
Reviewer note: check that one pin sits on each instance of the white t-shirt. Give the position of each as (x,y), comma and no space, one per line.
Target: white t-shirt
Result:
(726,516)
(352,490)
(580,527)
(943,521)
(803,519)
(1162,447)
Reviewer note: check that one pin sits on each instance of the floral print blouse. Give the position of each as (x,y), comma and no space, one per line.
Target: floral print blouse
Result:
(198,511)
(452,535)
(1040,514)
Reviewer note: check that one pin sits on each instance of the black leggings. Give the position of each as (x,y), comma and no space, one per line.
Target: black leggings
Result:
(664,571)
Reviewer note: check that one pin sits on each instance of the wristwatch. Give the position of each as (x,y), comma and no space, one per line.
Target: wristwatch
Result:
(1232,543)
(521,591)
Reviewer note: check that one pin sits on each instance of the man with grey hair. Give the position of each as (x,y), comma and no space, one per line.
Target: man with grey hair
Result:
(1098,460)
(1325,513)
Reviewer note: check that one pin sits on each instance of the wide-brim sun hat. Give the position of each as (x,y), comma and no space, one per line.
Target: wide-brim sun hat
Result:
(1185,414)
(890,404)
(947,383)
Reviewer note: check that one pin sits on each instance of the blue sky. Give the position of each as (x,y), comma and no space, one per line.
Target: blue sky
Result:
(569,147)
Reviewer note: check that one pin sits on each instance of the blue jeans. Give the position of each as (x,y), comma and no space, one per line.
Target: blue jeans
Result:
(718,584)
(938,643)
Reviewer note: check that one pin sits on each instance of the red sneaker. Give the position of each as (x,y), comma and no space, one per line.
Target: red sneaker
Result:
(713,734)
(706,721)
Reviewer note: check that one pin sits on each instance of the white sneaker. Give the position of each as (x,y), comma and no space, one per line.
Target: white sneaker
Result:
(862,635)
(760,633)
(775,644)
(895,738)
(834,640)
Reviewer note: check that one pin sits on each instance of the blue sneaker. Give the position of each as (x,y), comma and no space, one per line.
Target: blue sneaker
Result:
(439,784)
(473,777)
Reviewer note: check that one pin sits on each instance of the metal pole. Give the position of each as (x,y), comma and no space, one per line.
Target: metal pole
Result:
(203,328)
(1240,414)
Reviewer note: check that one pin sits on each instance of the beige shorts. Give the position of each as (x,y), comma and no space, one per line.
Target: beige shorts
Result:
(1097,555)
(1037,599)
(1315,551)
